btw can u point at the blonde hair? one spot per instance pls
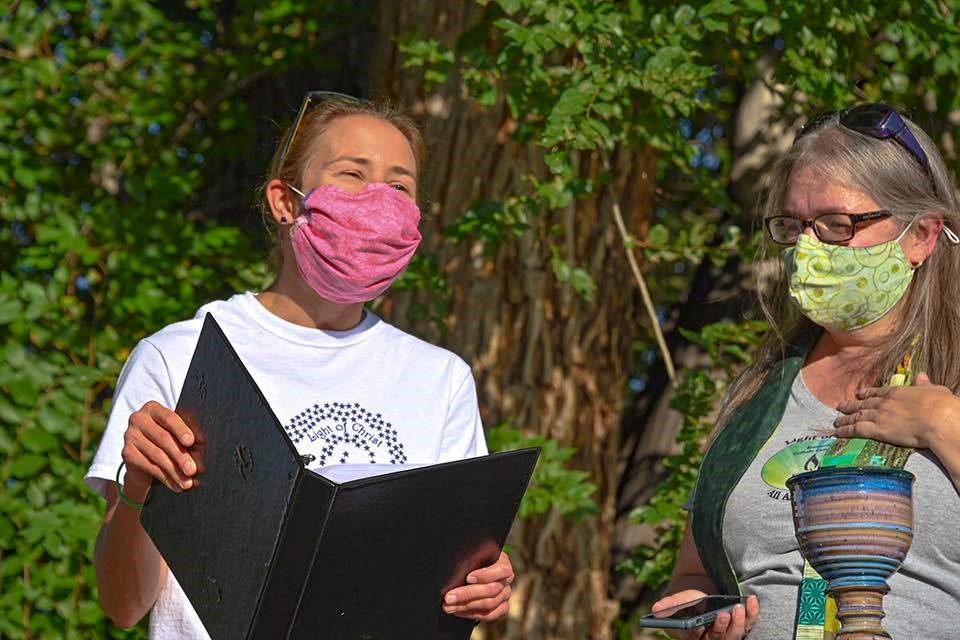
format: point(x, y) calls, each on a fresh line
point(898, 183)
point(293, 167)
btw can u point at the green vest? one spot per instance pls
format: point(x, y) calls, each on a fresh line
point(727, 459)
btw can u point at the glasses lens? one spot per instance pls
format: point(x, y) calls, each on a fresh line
point(833, 227)
point(877, 120)
point(783, 229)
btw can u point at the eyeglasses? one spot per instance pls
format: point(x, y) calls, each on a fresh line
point(316, 97)
point(832, 228)
point(877, 120)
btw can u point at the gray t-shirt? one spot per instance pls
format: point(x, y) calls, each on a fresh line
point(924, 598)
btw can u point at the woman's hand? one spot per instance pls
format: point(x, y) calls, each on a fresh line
point(154, 446)
point(920, 416)
point(727, 626)
point(486, 595)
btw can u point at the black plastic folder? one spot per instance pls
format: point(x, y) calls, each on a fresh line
point(266, 548)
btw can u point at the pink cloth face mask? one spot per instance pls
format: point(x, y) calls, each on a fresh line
point(350, 247)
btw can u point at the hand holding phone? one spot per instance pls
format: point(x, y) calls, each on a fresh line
point(702, 616)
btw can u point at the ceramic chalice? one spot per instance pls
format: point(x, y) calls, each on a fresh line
point(854, 526)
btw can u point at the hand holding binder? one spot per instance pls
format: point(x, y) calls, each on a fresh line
point(486, 594)
point(265, 548)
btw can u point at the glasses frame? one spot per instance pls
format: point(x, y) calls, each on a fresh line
point(317, 97)
point(889, 124)
point(855, 219)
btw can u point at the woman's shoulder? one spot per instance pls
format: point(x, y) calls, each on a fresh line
point(181, 337)
point(409, 345)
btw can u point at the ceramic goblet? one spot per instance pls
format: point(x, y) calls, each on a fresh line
point(854, 526)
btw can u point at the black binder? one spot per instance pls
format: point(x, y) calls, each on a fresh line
point(266, 548)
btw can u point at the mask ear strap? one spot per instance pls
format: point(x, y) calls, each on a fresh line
point(906, 228)
point(944, 229)
point(303, 202)
point(951, 236)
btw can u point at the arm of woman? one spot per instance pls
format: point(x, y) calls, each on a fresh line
point(689, 581)
point(130, 571)
point(922, 416)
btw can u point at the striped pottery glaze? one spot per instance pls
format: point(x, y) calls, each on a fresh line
point(854, 526)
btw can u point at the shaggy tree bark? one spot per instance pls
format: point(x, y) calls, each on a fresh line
point(545, 359)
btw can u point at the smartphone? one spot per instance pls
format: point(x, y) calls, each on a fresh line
point(688, 615)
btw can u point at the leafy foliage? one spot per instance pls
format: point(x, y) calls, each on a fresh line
point(553, 486)
point(606, 78)
point(729, 346)
point(599, 76)
point(110, 115)
point(430, 304)
point(114, 115)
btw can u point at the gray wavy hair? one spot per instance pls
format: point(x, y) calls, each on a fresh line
point(891, 176)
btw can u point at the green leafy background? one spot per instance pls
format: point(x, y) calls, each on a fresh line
point(117, 117)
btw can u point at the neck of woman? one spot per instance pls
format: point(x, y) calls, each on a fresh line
point(291, 299)
point(843, 361)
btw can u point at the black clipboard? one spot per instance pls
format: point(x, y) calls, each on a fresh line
point(265, 548)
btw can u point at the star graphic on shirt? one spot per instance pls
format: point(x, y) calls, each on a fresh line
point(342, 430)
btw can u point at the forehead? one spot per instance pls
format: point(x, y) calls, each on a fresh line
point(365, 136)
point(810, 192)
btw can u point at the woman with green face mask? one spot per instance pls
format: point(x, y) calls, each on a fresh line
point(861, 218)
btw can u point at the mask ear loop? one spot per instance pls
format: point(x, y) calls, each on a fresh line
point(903, 233)
point(944, 229)
point(951, 236)
point(303, 203)
point(905, 229)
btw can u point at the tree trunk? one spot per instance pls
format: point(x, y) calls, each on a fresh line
point(545, 359)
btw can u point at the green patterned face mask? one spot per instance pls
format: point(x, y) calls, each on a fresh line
point(845, 288)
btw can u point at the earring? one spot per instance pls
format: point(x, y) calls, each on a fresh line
point(283, 219)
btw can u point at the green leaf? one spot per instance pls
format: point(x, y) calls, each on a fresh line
point(23, 391)
point(718, 7)
point(553, 485)
point(558, 163)
point(38, 440)
point(27, 465)
point(10, 309)
point(887, 51)
point(767, 26)
point(7, 531)
point(583, 283)
point(944, 66)
point(684, 14)
point(658, 235)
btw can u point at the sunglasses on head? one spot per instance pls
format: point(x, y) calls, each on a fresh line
point(877, 120)
point(311, 98)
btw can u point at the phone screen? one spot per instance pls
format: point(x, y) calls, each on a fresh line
point(691, 614)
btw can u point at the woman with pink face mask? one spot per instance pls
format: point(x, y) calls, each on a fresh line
point(346, 386)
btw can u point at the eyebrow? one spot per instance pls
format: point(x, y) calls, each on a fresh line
point(396, 169)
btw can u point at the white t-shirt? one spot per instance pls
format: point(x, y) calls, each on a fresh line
point(373, 394)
